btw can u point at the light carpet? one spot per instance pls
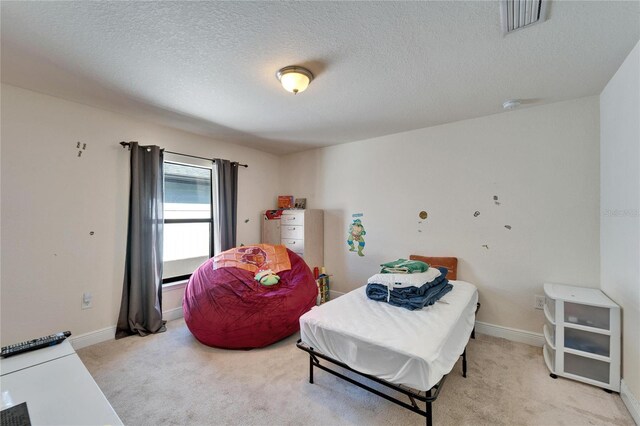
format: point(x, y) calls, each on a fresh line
point(172, 379)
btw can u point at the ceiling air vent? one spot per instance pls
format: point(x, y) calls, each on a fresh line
point(517, 14)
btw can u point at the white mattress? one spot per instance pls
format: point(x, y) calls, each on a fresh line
point(412, 348)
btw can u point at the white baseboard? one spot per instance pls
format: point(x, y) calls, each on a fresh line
point(173, 314)
point(335, 294)
point(109, 333)
point(630, 401)
point(513, 334)
point(93, 337)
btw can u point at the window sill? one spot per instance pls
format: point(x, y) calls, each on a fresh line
point(178, 285)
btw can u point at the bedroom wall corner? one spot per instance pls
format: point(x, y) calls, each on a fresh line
point(53, 200)
point(620, 210)
point(515, 196)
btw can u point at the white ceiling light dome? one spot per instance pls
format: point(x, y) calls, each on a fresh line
point(294, 79)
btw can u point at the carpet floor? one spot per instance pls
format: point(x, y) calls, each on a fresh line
point(172, 379)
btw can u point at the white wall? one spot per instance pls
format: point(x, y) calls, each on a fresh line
point(541, 162)
point(52, 199)
point(620, 204)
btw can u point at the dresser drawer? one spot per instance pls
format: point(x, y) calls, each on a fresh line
point(295, 232)
point(292, 218)
point(294, 245)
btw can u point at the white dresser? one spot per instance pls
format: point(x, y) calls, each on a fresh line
point(301, 231)
point(582, 335)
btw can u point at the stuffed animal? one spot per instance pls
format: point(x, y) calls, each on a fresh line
point(267, 277)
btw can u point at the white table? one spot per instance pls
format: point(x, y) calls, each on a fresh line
point(57, 388)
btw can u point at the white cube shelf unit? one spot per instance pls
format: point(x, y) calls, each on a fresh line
point(582, 335)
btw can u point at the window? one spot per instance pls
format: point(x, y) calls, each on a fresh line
point(188, 218)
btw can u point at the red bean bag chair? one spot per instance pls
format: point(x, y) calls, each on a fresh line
point(228, 308)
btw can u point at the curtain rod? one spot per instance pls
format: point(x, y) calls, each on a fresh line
point(128, 145)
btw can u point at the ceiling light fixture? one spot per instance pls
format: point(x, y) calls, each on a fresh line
point(511, 104)
point(294, 79)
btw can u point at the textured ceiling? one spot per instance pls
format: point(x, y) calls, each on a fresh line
point(380, 68)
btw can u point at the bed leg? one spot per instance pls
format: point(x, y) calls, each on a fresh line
point(473, 330)
point(310, 369)
point(464, 363)
point(429, 410)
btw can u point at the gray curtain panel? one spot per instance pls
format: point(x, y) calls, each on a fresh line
point(227, 203)
point(141, 306)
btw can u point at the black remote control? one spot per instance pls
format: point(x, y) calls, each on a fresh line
point(32, 345)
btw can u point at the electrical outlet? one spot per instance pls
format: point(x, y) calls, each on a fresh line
point(87, 300)
point(539, 303)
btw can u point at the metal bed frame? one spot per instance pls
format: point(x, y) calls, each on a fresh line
point(427, 397)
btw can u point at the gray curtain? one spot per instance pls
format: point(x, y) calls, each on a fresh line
point(141, 306)
point(227, 203)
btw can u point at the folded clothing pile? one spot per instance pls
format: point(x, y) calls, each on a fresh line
point(409, 290)
point(404, 266)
